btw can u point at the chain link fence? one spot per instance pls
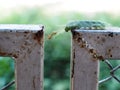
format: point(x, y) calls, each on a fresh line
point(111, 75)
point(6, 87)
point(111, 72)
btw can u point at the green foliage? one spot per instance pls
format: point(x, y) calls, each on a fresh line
point(6, 71)
point(57, 50)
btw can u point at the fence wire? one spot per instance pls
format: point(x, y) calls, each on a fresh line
point(6, 87)
point(112, 72)
point(110, 66)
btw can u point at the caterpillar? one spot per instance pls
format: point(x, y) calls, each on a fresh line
point(85, 25)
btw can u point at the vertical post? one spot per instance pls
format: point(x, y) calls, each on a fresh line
point(25, 44)
point(88, 47)
point(84, 74)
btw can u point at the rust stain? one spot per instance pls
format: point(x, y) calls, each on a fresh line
point(83, 44)
point(23, 46)
point(8, 54)
point(95, 72)
point(116, 34)
point(26, 32)
point(15, 55)
point(103, 40)
point(38, 36)
point(33, 82)
point(25, 35)
point(109, 53)
point(74, 54)
point(100, 57)
point(92, 51)
point(98, 37)
point(79, 39)
point(109, 50)
point(105, 35)
point(95, 55)
point(112, 47)
point(73, 66)
point(3, 53)
point(110, 34)
point(10, 30)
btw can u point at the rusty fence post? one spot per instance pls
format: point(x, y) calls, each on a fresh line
point(88, 47)
point(25, 44)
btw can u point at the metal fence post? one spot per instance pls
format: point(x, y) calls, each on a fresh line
point(88, 47)
point(25, 44)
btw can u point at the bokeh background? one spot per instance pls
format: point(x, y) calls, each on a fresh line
point(54, 15)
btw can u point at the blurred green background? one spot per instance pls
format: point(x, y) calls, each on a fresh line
point(57, 49)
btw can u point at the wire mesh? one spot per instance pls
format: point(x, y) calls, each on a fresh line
point(6, 87)
point(112, 72)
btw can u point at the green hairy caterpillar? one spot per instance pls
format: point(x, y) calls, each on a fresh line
point(85, 25)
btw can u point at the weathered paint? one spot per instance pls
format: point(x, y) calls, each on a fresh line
point(88, 47)
point(25, 44)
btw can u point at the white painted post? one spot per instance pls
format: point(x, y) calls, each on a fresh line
point(25, 44)
point(88, 47)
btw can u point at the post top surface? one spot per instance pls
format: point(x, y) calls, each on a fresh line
point(20, 27)
point(108, 30)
